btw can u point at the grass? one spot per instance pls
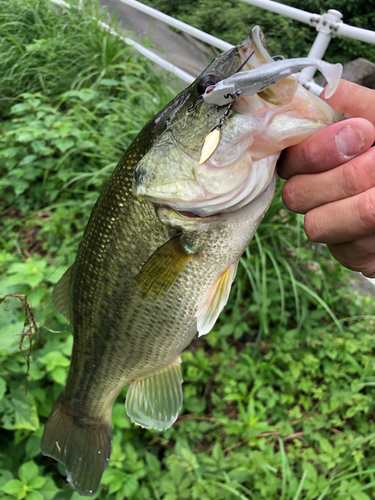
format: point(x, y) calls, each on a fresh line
point(278, 398)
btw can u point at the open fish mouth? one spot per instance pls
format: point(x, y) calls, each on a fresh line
point(240, 142)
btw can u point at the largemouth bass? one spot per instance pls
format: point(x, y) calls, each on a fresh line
point(160, 252)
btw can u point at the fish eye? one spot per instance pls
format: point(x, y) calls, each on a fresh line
point(206, 81)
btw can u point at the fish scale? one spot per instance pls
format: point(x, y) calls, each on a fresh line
point(160, 252)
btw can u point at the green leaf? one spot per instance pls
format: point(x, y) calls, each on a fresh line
point(10, 152)
point(85, 94)
point(360, 496)
point(5, 476)
point(153, 464)
point(26, 160)
point(3, 388)
point(20, 413)
point(185, 483)
point(59, 374)
point(25, 137)
point(226, 329)
point(22, 494)
point(37, 482)
point(177, 471)
point(131, 487)
point(32, 447)
point(19, 108)
point(12, 487)
point(54, 359)
point(28, 471)
point(116, 484)
point(49, 489)
point(109, 82)
point(20, 186)
point(171, 496)
point(34, 495)
point(9, 341)
point(64, 144)
point(168, 486)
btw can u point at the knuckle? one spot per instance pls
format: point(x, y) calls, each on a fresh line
point(353, 178)
point(356, 255)
point(293, 194)
point(288, 194)
point(311, 227)
point(320, 152)
point(346, 258)
point(366, 209)
point(370, 271)
point(311, 156)
point(358, 174)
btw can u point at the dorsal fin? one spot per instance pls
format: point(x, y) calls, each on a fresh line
point(162, 269)
point(60, 294)
point(154, 402)
point(215, 300)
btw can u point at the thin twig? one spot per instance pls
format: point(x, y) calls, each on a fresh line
point(335, 431)
point(30, 328)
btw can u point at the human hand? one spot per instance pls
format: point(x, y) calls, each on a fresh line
point(331, 179)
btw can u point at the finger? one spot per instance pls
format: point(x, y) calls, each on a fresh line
point(328, 148)
point(352, 100)
point(358, 255)
point(302, 193)
point(344, 220)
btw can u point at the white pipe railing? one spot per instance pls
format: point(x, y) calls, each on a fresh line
point(201, 35)
point(286, 10)
point(186, 77)
point(357, 33)
point(328, 26)
point(325, 28)
point(339, 29)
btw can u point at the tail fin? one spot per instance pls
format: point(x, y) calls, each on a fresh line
point(84, 450)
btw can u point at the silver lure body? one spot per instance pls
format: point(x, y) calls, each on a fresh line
point(253, 81)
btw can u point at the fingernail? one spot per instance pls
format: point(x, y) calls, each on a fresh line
point(349, 141)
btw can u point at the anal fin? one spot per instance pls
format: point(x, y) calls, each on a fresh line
point(155, 402)
point(60, 294)
point(215, 300)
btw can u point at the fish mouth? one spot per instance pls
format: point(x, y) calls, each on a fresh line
point(227, 181)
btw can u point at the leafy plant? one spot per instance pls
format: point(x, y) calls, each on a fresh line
point(278, 398)
point(30, 485)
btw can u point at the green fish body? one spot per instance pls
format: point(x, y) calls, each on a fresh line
point(160, 252)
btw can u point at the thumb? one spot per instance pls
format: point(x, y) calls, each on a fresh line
point(328, 148)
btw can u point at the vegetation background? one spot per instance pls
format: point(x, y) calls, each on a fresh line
point(279, 397)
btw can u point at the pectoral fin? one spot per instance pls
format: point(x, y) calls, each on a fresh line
point(60, 294)
point(162, 269)
point(155, 402)
point(214, 302)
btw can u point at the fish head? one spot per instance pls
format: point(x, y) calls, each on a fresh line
point(206, 159)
